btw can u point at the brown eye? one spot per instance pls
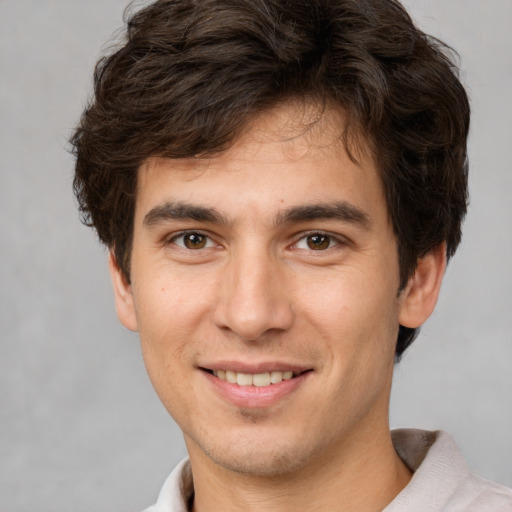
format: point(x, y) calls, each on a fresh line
point(194, 240)
point(318, 242)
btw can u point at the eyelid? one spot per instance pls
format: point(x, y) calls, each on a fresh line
point(336, 239)
point(171, 239)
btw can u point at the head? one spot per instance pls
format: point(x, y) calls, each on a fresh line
point(193, 75)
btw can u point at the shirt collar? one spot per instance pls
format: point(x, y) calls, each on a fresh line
point(433, 457)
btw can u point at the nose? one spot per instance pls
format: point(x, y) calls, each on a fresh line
point(252, 299)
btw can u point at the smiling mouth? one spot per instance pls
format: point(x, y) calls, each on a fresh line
point(254, 379)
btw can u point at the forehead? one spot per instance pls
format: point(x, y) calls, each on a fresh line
point(293, 154)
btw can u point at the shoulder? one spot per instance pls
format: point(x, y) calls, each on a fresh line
point(476, 494)
point(442, 482)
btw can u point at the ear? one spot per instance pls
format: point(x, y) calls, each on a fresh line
point(125, 306)
point(419, 297)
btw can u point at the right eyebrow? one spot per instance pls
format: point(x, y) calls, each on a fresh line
point(182, 211)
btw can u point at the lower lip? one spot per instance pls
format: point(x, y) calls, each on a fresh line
point(255, 396)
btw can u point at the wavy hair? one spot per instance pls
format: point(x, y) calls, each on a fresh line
point(192, 73)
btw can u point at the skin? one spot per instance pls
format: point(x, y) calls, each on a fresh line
point(259, 289)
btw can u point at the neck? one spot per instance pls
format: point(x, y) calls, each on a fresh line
point(363, 474)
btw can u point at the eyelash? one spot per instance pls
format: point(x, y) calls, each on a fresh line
point(173, 240)
point(332, 241)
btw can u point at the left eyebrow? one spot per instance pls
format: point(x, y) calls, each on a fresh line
point(342, 210)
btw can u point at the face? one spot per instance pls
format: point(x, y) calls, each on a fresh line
point(264, 286)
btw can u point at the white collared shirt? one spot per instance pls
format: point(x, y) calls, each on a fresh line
point(441, 481)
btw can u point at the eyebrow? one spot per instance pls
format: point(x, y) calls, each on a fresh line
point(342, 210)
point(182, 211)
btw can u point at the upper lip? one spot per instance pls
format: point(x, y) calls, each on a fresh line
point(255, 368)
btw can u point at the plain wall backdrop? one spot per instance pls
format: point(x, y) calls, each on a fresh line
point(80, 426)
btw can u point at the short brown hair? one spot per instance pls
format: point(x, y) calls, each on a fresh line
point(192, 73)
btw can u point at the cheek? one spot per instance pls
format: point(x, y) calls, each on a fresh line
point(173, 311)
point(353, 299)
point(357, 318)
point(164, 336)
point(166, 320)
point(168, 304)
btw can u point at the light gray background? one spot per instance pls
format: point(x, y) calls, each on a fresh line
point(80, 427)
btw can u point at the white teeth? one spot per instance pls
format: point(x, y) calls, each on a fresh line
point(230, 377)
point(261, 379)
point(244, 379)
point(276, 377)
point(248, 379)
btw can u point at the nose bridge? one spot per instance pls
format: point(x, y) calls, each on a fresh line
point(252, 298)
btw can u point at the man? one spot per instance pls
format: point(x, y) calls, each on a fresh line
point(280, 185)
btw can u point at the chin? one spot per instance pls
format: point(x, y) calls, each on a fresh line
point(261, 457)
point(256, 463)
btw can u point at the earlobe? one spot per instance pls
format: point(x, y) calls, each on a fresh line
point(420, 296)
point(125, 306)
